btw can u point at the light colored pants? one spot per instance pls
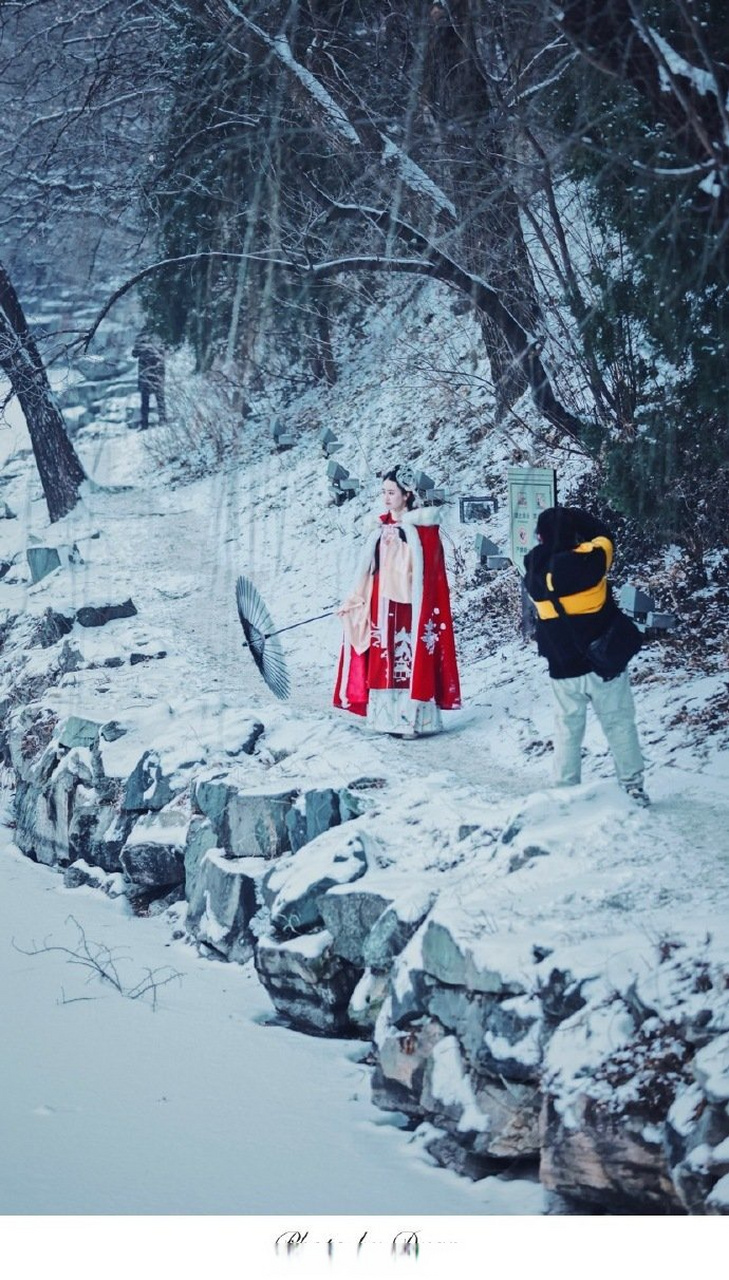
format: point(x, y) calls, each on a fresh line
point(613, 705)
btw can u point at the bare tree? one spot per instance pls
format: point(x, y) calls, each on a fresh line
point(75, 90)
point(60, 471)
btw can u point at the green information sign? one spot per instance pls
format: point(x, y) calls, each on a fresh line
point(531, 491)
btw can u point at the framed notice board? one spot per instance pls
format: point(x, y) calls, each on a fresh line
point(531, 491)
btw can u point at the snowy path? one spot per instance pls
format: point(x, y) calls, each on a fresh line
point(110, 1107)
point(199, 1107)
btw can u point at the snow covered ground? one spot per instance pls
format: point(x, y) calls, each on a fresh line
point(199, 1106)
point(186, 1100)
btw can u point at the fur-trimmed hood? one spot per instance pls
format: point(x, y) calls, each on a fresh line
point(422, 516)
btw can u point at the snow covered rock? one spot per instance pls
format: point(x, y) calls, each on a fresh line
point(500, 1038)
point(77, 731)
point(153, 856)
point(62, 811)
point(697, 1133)
point(612, 1162)
point(394, 928)
point(44, 807)
point(399, 1074)
point(50, 627)
point(149, 786)
point(608, 1087)
point(249, 821)
point(349, 915)
point(322, 811)
point(367, 1000)
point(479, 1051)
point(309, 984)
point(318, 809)
point(488, 1118)
point(200, 838)
point(102, 833)
point(449, 955)
point(81, 874)
point(97, 615)
point(223, 902)
point(294, 889)
point(27, 736)
point(43, 560)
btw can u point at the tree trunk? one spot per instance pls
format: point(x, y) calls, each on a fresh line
point(60, 471)
point(323, 362)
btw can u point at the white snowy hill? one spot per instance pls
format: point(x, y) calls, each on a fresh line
point(563, 940)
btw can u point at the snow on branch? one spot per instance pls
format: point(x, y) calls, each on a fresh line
point(280, 46)
point(433, 262)
point(154, 267)
point(704, 82)
point(416, 178)
point(408, 171)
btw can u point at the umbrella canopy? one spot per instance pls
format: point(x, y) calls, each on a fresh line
point(259, 630)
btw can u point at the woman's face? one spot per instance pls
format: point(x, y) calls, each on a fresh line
point(394, 498)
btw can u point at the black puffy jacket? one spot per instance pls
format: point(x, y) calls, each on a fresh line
point(578, 577)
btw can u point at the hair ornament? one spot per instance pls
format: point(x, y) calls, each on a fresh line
point(406, 478)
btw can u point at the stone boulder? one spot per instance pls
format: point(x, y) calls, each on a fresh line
point(153, 856)
point(500, 1038)
point(609, 1084)
point(43, 560)
point(62, 812)
point(394, 928)
point(367, 1001)
point(51, 627)
point(248, 821)
point(44, 807)
point(402, 1057)
point(149, 787)
point(294, 889)
point(310, 986)
point(697, 1132)
point(489, 1118)
point(200, 838)
point(322, 811)
point(319, 809)
point(223, 902)
point(613, 1162)
point(32, 750)
point(81, 874)
point(99, 614)
point(349, 915)
point(77, 731)
point(453, 960)
point(98, 832)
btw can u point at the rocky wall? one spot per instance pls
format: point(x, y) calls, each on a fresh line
point(514, 1051)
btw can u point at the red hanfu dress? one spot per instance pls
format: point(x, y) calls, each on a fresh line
point(398, 663)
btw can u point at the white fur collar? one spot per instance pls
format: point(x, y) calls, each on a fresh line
point(422, 515)
point(418, 516)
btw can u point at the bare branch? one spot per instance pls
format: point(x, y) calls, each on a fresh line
point(102, 964)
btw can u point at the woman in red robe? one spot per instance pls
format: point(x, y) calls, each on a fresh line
point(398, 664)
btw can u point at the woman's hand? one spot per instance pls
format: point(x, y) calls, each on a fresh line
point(353, 602)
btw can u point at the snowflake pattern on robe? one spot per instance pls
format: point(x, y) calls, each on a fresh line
point(403, 655)
point(431, 634)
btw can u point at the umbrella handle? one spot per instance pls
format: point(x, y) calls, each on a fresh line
point(293, 625)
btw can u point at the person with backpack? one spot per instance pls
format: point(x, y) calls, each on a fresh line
point(566, 577)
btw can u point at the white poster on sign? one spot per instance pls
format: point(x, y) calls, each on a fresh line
point(531, 491)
